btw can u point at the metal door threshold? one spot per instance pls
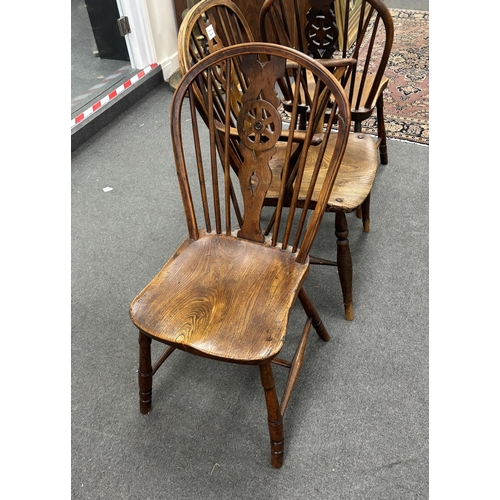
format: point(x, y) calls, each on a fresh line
point(85, 125)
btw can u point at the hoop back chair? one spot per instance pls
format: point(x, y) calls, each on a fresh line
point(326, 29)
point(208, 27)
point(228, 290)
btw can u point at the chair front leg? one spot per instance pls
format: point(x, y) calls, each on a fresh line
point(274, 417)
point(145, 373)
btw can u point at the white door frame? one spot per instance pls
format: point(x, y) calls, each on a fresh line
point(140, 41)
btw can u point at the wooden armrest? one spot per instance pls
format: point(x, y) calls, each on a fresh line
point(328, 63)
point(338, 67)
point(338, 63)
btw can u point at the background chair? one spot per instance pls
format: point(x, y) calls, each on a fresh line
point(228, 290)
point(326, 29)
point(207, 28)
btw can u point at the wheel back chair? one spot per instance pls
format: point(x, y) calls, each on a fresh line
point(329, 29)
point(228, 290)
point(213, 24)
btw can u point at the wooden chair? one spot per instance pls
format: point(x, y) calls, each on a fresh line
point(207, 27)
point(228, 290)
point(326, 29)
point(214, 24)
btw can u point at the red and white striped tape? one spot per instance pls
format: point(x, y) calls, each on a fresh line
point(99, 104)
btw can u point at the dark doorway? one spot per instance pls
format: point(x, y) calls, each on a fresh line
point(103, 15)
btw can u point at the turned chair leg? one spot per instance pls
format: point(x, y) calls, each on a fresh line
point(365, 214)
point(145, 373)
point(357, 128)
point(344, 263)
point(274, 417)
point(384, 158)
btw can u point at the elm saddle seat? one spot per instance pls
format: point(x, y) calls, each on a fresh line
point(208, 280)
point(212, 25)
point(228, 290)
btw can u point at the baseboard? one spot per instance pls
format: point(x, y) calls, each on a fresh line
point(171, 71)
point(169, 66)
point(104, 116)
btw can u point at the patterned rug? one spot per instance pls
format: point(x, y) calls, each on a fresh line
point(406, 99)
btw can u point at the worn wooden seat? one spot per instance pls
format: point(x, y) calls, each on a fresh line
point(220, 284)
point(213, 24)
point(354, 180)
point(228, 290)
point(326, 30)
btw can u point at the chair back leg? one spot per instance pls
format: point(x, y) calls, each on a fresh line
point(344, 263)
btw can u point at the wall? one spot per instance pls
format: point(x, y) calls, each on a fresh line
point(164, 30)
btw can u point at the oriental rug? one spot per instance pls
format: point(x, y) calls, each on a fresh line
point(406, 99)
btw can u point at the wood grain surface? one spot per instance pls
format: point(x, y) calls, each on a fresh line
point(222, 297)
point(354, 180)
